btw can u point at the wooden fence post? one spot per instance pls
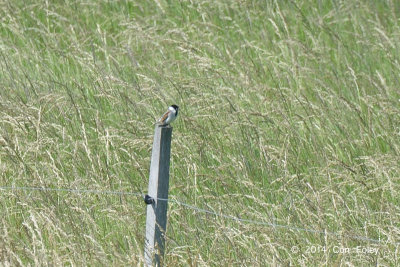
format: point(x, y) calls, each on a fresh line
point(156, 220)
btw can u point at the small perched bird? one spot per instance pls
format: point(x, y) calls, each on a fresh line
point(169, 116)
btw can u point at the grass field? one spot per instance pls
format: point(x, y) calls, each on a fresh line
point(290, 114)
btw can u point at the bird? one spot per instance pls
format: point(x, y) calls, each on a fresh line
point(169, 116)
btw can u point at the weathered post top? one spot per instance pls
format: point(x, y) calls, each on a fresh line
point(156, 220)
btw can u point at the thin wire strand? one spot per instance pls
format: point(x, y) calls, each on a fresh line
point(69, 190)
point(197, 209)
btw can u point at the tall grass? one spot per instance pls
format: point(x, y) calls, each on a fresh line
point(289, 115)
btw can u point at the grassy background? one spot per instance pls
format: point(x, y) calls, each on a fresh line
point(289, 115)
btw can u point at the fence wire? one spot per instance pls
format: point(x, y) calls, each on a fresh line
point(196, 209)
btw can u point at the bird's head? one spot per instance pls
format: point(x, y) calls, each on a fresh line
point(175, 107)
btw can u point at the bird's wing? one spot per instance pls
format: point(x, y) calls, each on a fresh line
point(164, 117)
